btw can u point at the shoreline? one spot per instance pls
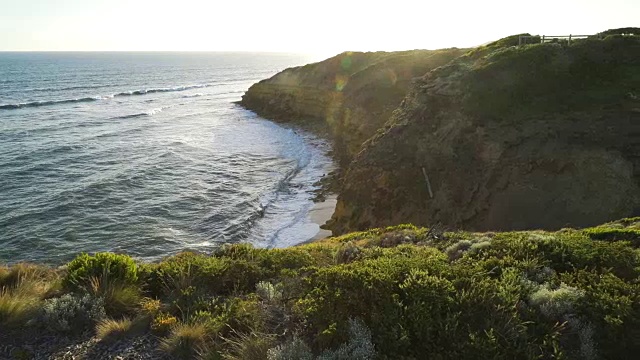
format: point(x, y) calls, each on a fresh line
point(319, 214)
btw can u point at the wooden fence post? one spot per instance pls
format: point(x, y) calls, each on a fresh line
point(426, 178)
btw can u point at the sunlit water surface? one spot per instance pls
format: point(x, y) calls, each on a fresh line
point(146, 153)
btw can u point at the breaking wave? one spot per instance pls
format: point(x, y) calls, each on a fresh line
point(96, 98)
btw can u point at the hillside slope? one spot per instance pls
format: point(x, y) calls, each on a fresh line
point(537, 136)
point(352, 93)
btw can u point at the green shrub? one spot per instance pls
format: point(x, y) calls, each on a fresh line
point(359, 346)
point(347, 253)
point(162, 323)
point(205, 274)
point(269, 292)
point(613, 234)
point(82, 269)
point(556, 303)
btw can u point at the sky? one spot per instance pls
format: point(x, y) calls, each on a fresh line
point(312, 26)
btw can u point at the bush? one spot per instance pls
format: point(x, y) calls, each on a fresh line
point(150, 306)
point(556, 303)
point(269, 292)
point(84, 268)
point(71, 313)
point(359, 346)
point(612, 234)
point(347, 253)
point(207, 275)
point(162, 323)
point(295, 349)
point(456, 250)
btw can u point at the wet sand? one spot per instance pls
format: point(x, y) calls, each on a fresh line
point(320, 214)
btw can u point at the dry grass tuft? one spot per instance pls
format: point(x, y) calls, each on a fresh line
point(119, 298)
point(185, 339)
point(110, 329)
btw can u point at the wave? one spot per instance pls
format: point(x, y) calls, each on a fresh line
point(95, 98)
point(146, 113)
point(76, 87)
point(161, 90)
point(47, 103)
point(130, 116)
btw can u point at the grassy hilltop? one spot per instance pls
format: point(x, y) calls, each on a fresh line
point(396, 293)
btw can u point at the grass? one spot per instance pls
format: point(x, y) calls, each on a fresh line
point(111, 329)
point(16, 307)
point(184, 340)
point(120, 298)
point(250, 346)
point(22, 289)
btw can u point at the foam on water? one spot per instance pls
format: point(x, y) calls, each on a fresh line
point(171, 166)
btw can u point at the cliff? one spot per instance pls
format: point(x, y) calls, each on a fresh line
point(510, 137)
point(538, 136)
point(352, 93)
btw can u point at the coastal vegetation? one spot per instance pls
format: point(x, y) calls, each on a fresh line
point(401, 292)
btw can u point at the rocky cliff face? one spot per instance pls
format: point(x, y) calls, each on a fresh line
point(509, 137)
point(540, 136)
point(353, 94)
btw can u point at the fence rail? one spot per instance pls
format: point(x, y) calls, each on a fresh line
point(528, 39)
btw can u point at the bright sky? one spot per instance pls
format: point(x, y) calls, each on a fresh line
point(321, 27)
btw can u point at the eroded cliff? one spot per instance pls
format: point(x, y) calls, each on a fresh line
point(538, 136)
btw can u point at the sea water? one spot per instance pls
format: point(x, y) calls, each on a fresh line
point(147, 154)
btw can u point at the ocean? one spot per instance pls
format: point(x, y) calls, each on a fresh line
point(147, 154)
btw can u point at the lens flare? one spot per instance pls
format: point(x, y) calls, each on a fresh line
point(341, 82)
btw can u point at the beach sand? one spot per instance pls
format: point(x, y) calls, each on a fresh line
point(320, 214)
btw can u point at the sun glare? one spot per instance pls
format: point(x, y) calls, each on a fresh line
point(322, 28)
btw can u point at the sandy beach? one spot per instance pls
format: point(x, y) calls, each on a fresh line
point(320, 214)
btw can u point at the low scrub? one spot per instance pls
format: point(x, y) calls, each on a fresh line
point(393, 293)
